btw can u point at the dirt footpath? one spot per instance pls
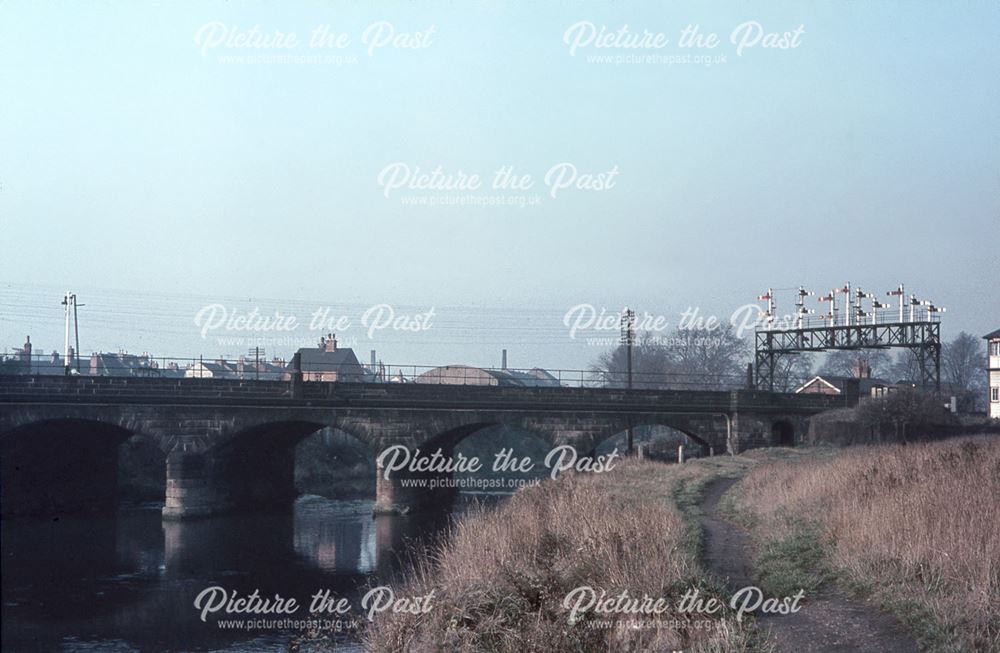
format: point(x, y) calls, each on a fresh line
point(827, 623)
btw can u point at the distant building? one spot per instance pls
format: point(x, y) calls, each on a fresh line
point(466, 375)
point(243, 368)
point(860, 384)
point(993, 372)
point(125, 364)
point(327, 362)
point(217, 369)
point(826, 384)
point(26, 361)
point(24, 353)
point(272, 370)
point(51, 365)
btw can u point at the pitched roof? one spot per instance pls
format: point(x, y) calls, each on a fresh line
point(837, 382)
point(213, 366)
point(468, 375)
point(832, 386)
point(318, 360)
point(531, 378)
point(992, 334)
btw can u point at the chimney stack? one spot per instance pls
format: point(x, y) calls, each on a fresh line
point(503, 361)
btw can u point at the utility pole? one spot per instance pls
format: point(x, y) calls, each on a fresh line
point(76, 330)
point(66, 303)
point(69, 300)
point(628, 338)
point(256, 352)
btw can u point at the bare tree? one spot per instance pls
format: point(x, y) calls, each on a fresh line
point(686, 358)
point(717, 352)
point(841, 363)
point(792, 370)
point(650, 364)
point(906, 367)
point(963, 367)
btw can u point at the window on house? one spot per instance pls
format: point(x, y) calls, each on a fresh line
point(995, 348)
point(995, 394)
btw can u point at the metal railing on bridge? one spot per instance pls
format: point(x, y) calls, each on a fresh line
point(244, 369)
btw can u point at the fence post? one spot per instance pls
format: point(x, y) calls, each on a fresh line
point(680, 455)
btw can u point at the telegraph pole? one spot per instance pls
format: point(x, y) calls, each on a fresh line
point(628, 338)
point(66, 303)
point(76, 330)
point(69, 300)
point(257, 353)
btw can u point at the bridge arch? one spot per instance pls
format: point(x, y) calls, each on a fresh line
point(451, 437)
point(482, 439)
point(334, 463)
point(782, 433)
point(256, 465)
point(60, 465)
point(645, 433)
point(708, 432)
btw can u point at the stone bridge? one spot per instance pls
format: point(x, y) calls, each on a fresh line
point(229, 444)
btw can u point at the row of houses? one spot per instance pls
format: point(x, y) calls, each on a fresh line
point(26, 361)
point(125, 364)
point(324, 362)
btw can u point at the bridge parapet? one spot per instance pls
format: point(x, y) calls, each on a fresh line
point(25, 388)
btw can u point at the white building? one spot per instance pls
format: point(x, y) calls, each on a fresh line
point(993, 369)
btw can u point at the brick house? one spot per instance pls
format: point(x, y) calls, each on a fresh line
point(327, 362)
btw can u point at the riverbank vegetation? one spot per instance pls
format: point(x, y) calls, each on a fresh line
point(915, 528)
point(500, 581)
point(911, 528)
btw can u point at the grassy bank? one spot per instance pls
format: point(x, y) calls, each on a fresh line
point(501, 579)
point(915, 527)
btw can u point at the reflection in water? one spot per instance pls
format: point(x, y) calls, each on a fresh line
point(335, 545)
point(128, 582)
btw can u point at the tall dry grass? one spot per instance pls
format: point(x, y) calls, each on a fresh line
point(918, 525)
point(501, 578)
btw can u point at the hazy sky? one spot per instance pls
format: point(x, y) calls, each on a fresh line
point(140, 154)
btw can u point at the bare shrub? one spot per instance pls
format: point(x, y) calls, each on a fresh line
point(918, 525)
point(501, 578)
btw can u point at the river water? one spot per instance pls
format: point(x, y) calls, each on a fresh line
point(128, 582)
